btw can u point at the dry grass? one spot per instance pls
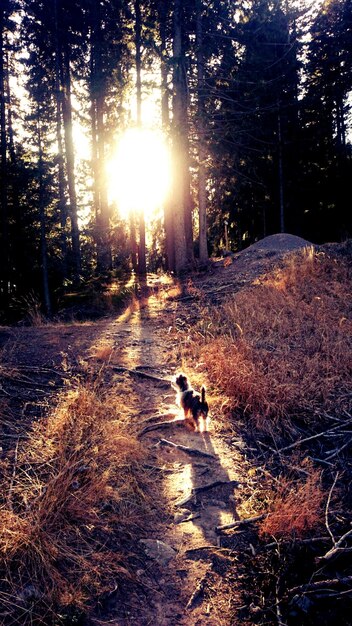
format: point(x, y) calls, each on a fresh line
point(283, 347)
point(71, 501)
point(103, 351)
point(296, 508)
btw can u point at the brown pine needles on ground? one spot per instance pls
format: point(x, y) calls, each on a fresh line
point(71, 503)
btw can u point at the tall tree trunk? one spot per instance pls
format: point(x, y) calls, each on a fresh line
point(60, 148)
point(70, 165)
point(142, 268)
point(4, 254)
point(43, 244)
point(202, 194)
point(104, 258)
point(281, 172)
point(179, 131)
point(13, 191)
point(163, 9)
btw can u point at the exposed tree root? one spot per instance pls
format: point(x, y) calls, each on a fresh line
point(185, 449)
point(160, 425)
point(161, 381)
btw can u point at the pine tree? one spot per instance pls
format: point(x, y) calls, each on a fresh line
point(326, 161)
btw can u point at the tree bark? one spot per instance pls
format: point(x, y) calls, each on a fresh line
point(180, 152)
point(4, 269)
point(202, 194)
point(142, 268)
point(60, 148)
point(163, 9)
point(43, 244)
point(70, 165)
point(104, 258)
point(281, 173)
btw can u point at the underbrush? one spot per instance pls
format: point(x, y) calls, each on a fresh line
point(282, 348)
point(72, 504)
point(280, 353)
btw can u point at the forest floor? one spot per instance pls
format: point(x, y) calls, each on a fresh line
point(185, 569)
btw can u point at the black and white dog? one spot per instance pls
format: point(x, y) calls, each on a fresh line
point(194, 405)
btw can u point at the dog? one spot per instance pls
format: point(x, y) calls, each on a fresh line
point(194, 405)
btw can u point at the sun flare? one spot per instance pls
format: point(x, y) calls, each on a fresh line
point(139, 172)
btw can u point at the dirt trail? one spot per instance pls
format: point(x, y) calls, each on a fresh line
point(185, 568)
point(188, 568)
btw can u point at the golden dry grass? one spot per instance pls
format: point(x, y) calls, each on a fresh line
point(296, 507)
point(283, 347)
point(72, 498)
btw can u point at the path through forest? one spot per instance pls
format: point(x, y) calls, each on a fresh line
point(187, 571)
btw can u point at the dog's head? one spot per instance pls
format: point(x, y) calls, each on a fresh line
point(182, 382)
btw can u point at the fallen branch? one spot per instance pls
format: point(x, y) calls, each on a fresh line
point(185, 449)
point(240, 522)
point(336, 549)
point(324, 432)
point(213, 548)
point(320, 584)
point(164, 381)
point(273, 544)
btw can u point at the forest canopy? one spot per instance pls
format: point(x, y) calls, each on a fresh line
point(150, 134)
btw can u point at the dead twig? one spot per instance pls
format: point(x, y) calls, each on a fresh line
point(316, 436)
point(336, 452)
point(320, 584)
point(328, 506)
point(336, 549)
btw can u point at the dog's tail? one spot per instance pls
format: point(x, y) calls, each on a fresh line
point(203, 390)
